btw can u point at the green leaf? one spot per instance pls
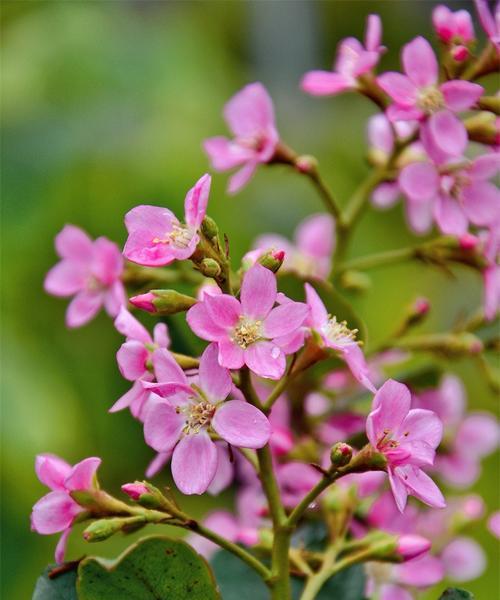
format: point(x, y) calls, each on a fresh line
point(238, 582)
point(58, 587)
point(456, 594)
point(156, 568)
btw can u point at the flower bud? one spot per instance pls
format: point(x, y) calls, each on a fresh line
point(105, 528)
point(163, 302)
point(135, 490)
point(210, 267)
point(340, 454)
point(209, 228)
point(146, 495)
point(272, 260)
point(468, 241)
point(482, 128)
point(306, 163)
point(460, 53)
point(411, 546)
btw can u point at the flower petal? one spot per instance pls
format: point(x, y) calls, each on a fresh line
point(398, 489)
point(241, 424)
point(242, 176)
point(83, 308)
point(421, 424)
point(315, 235)
point(130, 327)
point(463, 559)
point(53, 513)
point(82, 476)
point(421, 572)
point(265, 359)
point(284, 319)
point(231, 356)
point(202, 324)
point(162, 426)
point(420, 63)
point(194, 463)
point(461, 95)
point(65, 279)
point(225, 154)
point(131, 358)
point(250, 111)
point(326, 83)
point(421, 486)
point(419, 181)
point(399, 88)
point(215, 380)
point(258, 292)
point(390, 407)
point(478, 435)
point(355, 359)
point(448, 133)
point(73, 243)
point(195, 204)
point(52, 470)
point(481, 202)
point(166, 367)
point(449, 216)
point(60, 550)
point(223, 309)
point(319, 314)
point(225, 470)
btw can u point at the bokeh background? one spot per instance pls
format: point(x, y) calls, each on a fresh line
point(104, 106)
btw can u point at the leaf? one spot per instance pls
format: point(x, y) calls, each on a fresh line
point(60, 587)
point(237, 581)
point(156, 568)
point(456, 594)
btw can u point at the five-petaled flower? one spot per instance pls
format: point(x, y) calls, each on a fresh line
point(156, 237)
point(90, 270)
point(248, 331)
point(57, 510)
point(250, 116)
point(408, 439)
point(182, 421)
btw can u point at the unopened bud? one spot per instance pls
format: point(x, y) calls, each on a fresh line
point(209, 228)
point(460, 53)
point(163, 302)
point(105, 528)
point(482, 128)
point(306, 163)
point(135, 490)
point(340, 454)
point(210, 267)
point(491, 103)
point(468, 241)
point(147, 495)
point(411, 546)
point(272, 260)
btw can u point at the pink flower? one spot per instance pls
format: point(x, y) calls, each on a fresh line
point(295, 479)
point(90, 271)
point(452, 199)
point(156, 237)
point(135, 360)
point(57, 510)
point(353, 60)
point(410, 546)
point(491, 274)
point(337, 336)
point(494, 524)
point(248, 331)
point(311, 253)
point(455, 29)
point(250, 116)
point(417, 96)
point(408, 439)
point(182, 422)
point(463, 559)
point(490, 22)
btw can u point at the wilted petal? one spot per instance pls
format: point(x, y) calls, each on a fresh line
point(215, 380)
point(162, 426)
point(194, 463)
point(265, 359)
point(420, 63)
point(242, 425)
point(258, 292)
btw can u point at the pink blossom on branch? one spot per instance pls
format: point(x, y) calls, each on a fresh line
point(353, 60)
point(455, 29)
point(417, 96)
point(155, 235)
point(57, 510)
point(408, 439)
point(248, 331)
point(250, 117)
point(490, 21)
point(181, 421)
point(89, 270)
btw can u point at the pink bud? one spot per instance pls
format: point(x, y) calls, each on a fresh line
point(473, 507)
point(468, 241)
point(144, 302)
point(460, 53)
point(135, 490)
point(422, 306)
point(411, 546)
point(279, 255)
point(248, 536)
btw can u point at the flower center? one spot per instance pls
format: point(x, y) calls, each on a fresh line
point(338, 332)
point(197, 416)
point(247, 332)
point(179, 237)
point(430, 100)
point(252, 142)
point(93, 284)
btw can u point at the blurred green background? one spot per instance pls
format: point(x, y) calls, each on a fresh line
point(104, 106)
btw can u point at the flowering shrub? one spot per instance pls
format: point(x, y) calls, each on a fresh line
point(286, 403)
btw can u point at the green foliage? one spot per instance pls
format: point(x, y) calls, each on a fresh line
point(58, 587)
point(156, 567)
point(456, 594)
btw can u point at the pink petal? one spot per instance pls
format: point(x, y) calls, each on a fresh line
point(115, 299)
point(266, 360)
point(422, 487)
point(326, 83)
point(457, 470)
point(449, 216)
point(61, 546)
point(355, 359)
point(386, 195)
point(162, 426)
point(223, 309)
point(250, 111)
point(419, 181)
point(399, 88)
point(194, 463)
point(398, 488)
point(380, 134)
point(443, 22)
point(53, 513)
point(421, 572)
point(202, 324)
point(231, 356)
point(419, 62)
point(421, 424)
point(157, 464)
point(131, 358)
point(145, 223)
point(73, 243)
point(52, 470)
point(448, 133)
point(225, 154)
point(83, 474)
point(485, 166)
point(241, 177)
point(160, 335)
point(316, 236)
point(319, 314)
point(83, 308)
point(130, 327)
point(225, 471)
point(390, 407)
point(195, 205)
point(419, 215)
point(397, 113)
point(168, 390)
point(241, 424)
point(107, 264)
point(284, 319)
point(481, 202)
point(461, 95)
point(491, 299)
point(135, 395)
point(215, 380)
point(463, 559)
point(154, 220)
point(478, 435)
point(166, 367)
point(389, 591)
point(373, 36)
point(65, 279)
point(258, 292)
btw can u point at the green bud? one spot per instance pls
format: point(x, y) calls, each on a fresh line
point(367, 459)
point(340, 454)
point(272, 260)
point(169, 302)
point(105, 528)
point(210, 267)
point(482, 128)
point(209, 228)
point(306, 163)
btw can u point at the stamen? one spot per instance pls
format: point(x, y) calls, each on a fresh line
point(197, 416)
point(180, 237)
point(247, 332)
point(339, 332)
point(430, 100)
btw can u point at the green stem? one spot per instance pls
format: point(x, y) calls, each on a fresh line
point(379, 259)
point(309, 498)
point(326, 194)
point(318, 579)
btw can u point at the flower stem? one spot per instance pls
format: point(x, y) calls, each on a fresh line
point(379, 259)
